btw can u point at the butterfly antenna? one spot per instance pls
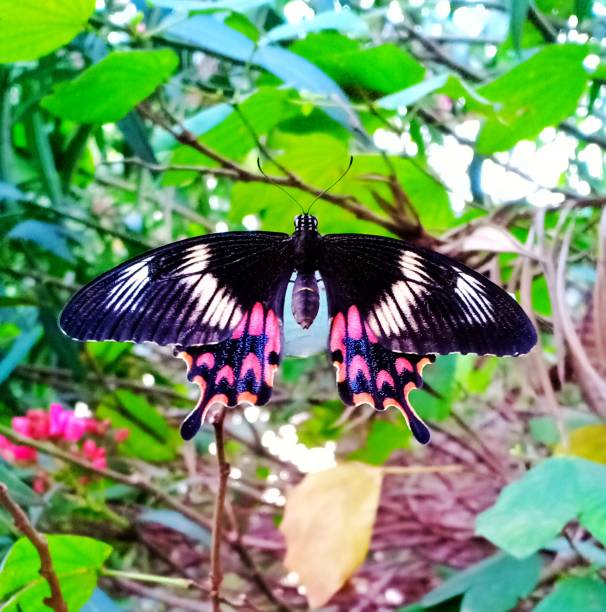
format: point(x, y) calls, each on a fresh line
point(332, 184)
point(271, 180)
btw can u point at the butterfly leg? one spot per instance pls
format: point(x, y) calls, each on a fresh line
point(367, 373)
point(238, 370)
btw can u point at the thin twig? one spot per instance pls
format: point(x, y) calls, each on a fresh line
point(216, 573)
point(47, 571)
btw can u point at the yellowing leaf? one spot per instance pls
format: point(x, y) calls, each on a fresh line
point(327, 525)
point(30, 29)
point(588, 442)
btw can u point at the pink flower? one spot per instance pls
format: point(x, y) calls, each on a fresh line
point(95, 454)
point(13, 452)
point(65, 424)
point(120, 435)
point(21, 425)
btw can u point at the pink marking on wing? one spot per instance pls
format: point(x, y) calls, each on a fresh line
point(227, 373)
point(384, 377)
point(403, 364)
point(370, 334)
point(337, 333)
point(272, 331)
point(206, 359)
point(257, 319)
point(358, 365)
point(251, 362)
point(354, 323)
point(240, 328)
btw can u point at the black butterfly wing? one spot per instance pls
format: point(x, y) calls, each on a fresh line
point(417, 301)
point(190, 292)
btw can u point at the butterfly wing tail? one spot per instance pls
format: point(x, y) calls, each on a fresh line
point(367, 373)
point(238, 370)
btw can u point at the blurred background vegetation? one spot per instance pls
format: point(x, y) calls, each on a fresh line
point(477, 129)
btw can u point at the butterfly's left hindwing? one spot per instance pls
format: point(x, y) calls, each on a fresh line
point(238, 370)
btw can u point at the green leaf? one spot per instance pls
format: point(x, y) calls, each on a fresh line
point(108, 90)
point(342, 21)
point(440, 377)
point(575, 595)
point(384, 437)
point(150, 436)
point(49, 236)
point(231, 137)
point(525, 96)
point(532, 511)
point(177, 522)
point(519, 12)
point(494, 584)
point(76, 561)
point(30, 29)
point(18, 351)
point(375, 70)
point(19, 491)
point(582, 8)
point(447, 84)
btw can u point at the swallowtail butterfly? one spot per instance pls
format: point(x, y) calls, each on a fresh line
point(220, 300)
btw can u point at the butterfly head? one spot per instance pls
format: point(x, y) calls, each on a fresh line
point(306, 223)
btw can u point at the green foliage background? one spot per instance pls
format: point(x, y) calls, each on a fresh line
point(131, 125)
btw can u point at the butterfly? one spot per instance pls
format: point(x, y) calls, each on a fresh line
point(219, 299)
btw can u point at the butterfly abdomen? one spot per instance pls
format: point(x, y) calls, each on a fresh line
point(305, 299)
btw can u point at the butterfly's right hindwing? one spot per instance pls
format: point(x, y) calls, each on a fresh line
point(190, 292)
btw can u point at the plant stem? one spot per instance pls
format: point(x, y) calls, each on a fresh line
point(216, 573)
point(47, 571)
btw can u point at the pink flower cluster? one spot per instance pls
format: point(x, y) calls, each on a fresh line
point(58, 424)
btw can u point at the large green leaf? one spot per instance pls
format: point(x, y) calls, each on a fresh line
point(494, 584)
point(384, 437)
point(150, 436)
point(532, 511)
point(108, 90)
point(30, 29)
point(19, 491)
point(575, 595)
point(440, 378)
point(18, 351)
point(76, 561)
point(382, 69)
point(342, 21)
point(519, 12)
point(49, 236)
point(540, 92)
point(232, 137)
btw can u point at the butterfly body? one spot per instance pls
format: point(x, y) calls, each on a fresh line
point(220, 300)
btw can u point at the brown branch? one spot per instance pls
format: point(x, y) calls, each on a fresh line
point(216, 572)
point(47, 571)
point(227, 168)
point(140, 482)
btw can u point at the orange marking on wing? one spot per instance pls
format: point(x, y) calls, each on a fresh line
point(220, 398)
point(246, 397)
point(187, 358)
point(407, 389)
point(363, 398)
point(201, 382)
point(340, 367)
point(270, 372)
point(422, 363)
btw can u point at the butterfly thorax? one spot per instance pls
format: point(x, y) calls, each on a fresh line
point(306, 294)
